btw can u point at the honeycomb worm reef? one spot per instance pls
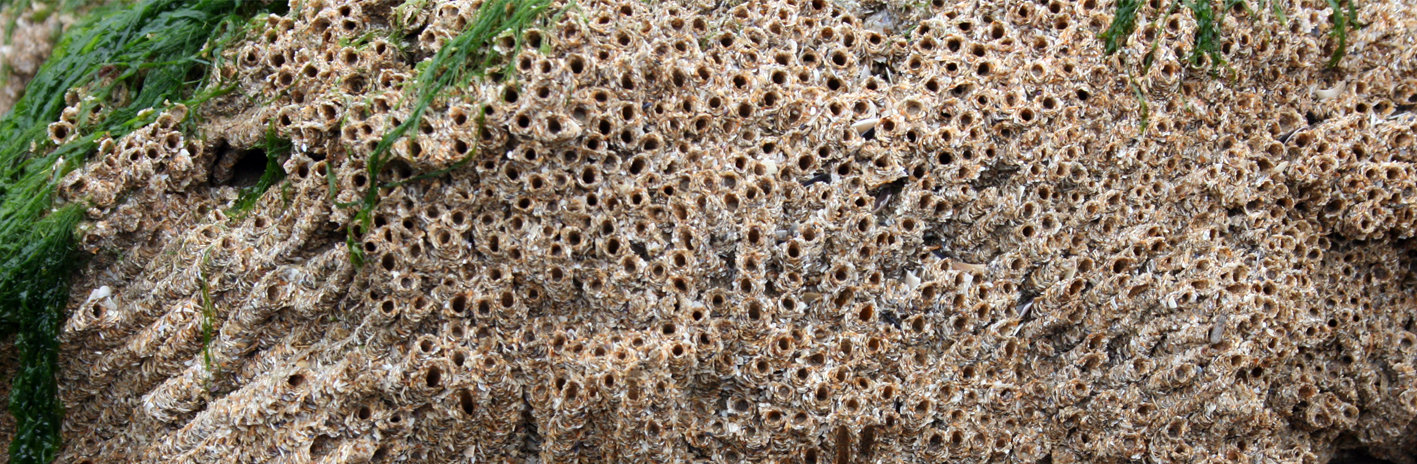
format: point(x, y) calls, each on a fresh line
point(796, 231)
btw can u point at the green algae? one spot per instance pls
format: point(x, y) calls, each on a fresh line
point(1205, 46)
point(1122, 26)
point(275, 149)
point(133, 59)
point(1343, 21)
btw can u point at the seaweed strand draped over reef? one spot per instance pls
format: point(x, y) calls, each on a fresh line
point(777, 231)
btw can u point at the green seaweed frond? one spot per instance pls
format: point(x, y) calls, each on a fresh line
point(1123, 24)
point(1343, 21)
point(1141, 99)
point(208, 323)
point(1207, 40)
point(1279, 13)
point(34, 286)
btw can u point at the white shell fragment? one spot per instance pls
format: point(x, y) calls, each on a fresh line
point(865, 125)
point(1217, 331)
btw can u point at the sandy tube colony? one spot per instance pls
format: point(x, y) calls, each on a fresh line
point(796, 231)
